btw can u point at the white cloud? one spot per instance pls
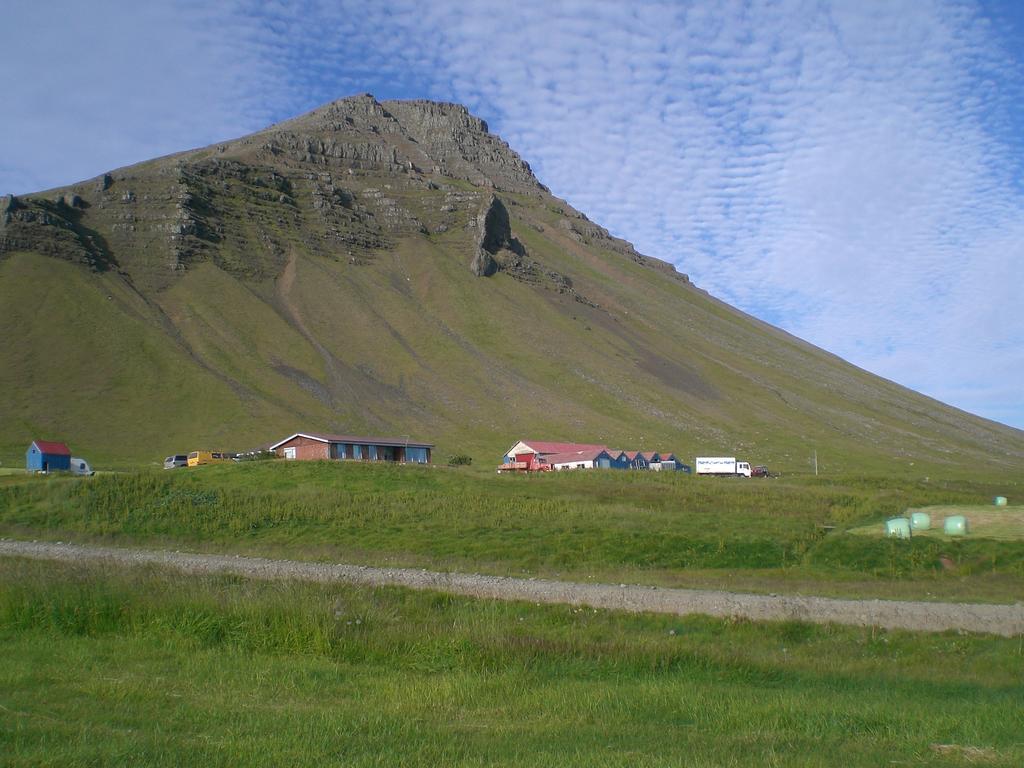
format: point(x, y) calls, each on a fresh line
point(848, 171)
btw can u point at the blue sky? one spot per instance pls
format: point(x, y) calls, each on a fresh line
point(850, 171)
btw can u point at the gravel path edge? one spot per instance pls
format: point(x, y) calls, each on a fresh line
point(1006, 620)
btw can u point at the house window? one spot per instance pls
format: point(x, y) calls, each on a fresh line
point(371, 452)
point(357, 451)
point(416, 455)
point(289, 453)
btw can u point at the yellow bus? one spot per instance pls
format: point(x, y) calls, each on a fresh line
point(198, 458)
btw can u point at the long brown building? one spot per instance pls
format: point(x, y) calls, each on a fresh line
point(314, 446)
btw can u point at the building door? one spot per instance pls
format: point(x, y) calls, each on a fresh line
point(289, 453)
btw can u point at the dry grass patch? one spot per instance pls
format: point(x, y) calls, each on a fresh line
point(983, 520)
point(970, 755)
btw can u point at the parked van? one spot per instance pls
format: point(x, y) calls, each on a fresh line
point(175, 461)
point(198, 458)
point(81, 467)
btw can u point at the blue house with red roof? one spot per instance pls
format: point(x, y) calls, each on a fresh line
point(47, 456)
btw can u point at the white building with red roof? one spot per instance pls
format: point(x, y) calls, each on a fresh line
point(588, 458)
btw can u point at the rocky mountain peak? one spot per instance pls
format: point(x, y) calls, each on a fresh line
point(440, 116)
point(360, 112)
point(463, 147)
point(439, 137)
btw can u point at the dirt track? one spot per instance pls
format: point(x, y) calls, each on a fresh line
point(1007, 620)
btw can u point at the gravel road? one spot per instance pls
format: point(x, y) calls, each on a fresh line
point(1007, 620)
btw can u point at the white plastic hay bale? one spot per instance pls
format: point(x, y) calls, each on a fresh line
point(897, 528)
point(955, 525)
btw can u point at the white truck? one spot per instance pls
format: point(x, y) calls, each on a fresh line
point(722, 465)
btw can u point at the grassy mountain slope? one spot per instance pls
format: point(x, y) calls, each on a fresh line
point(395, 268)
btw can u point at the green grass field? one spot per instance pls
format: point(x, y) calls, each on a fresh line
point(666, 529)
point(147, 668)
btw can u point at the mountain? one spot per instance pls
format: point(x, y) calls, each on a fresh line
point(393, 267)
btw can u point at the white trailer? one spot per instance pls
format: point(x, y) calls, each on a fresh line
point(722, 465)
point(81, 467)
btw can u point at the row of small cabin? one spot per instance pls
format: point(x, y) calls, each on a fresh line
point(541, 456)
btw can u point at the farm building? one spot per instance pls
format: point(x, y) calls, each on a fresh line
point(669, 462)
point(531, 455)
point(522, 450)
point(620, 460)
point(590, 458)
point(651, 457)
point(312, 446)
point(47, 456)
point(635, 460)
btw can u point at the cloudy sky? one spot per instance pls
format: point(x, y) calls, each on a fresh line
point(850, 171)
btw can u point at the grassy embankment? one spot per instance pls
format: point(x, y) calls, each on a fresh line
point(146, 668)
point(777, 535)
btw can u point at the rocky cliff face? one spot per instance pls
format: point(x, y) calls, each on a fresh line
point(345, 181)
point(53, 226)
point(463, 148)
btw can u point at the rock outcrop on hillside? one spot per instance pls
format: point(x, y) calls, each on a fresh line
point(494, 237)
point(54, 227)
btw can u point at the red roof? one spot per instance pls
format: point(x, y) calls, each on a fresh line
point(546, 448)
point(584, 455)
point(52, 447)
point(649, 455)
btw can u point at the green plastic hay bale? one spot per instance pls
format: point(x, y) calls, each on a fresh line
point(920, 521)
point(898, 527)
point(955, 525)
